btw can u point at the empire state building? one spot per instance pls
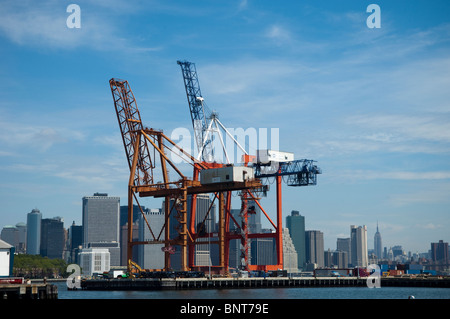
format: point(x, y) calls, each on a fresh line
point(378, 249)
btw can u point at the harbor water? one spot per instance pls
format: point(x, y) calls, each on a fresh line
point(262, 293)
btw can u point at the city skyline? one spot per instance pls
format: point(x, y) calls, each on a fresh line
point(371, 246)
point(370, 105)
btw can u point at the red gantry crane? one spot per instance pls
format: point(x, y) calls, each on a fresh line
point(148, 152)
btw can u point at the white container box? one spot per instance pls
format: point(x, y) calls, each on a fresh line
point(266, 156)
point(226, 174)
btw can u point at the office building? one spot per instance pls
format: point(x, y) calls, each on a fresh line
point(314, 248)
point(53, 237)
point(377, 245)
point(296, 226)
point(10, 234)
point(340, 259)
point(94, 261)
point(205, 221)
point(113, 249)
point(359, 253)
point(290, 258)
point(22, 245)
point(15, 236)
point(100, 218)
point(124, 243)
point(344, 245)
point(262, 251)
point(74, 242)
point(34, 232)
point(439, 252)
point(151, 256)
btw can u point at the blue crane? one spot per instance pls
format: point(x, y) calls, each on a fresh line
point(198, 111)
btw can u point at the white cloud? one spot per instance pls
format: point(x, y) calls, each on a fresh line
point(43, 25)
point(423, 127)
point(278, 33)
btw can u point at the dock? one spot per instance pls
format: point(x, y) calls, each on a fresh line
point(242, 283)
point(28, 291)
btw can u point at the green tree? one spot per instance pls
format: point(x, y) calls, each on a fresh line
point(36, 266)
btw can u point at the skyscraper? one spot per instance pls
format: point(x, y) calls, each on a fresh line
point(296, 225)
point(378, 248)
point(75, 240)
point(344, 245)
point(52, 237)
point(100, 218)
point(359, 253)
point(34, 232)
point(101, 225)
point(439, 252)
point(314, 247)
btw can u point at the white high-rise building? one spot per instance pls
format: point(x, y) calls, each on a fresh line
point(359, 253)
point(290, 259)
point(94, 260)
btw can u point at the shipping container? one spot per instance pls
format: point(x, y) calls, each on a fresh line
point(226, 174)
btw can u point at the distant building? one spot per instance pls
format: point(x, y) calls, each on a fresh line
point(94, 260)
point(22, 247)
point(377, 245)
point(439, 252)
point(10, 234)
point(340, 259)
point(53, 237)
point(124, 243)
point(100, 218)
point(123, 232)
point(74, 242)
point(296, 226)
point(344, 245)
point(151, 256)
point(34, 232)
point(203, 253)
point(290, 258)
point(314, 247)
point(263, 251)
point(113, 248)
point(359, 253)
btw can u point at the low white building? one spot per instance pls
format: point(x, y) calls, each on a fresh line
point(94, 260)
point(6, 259)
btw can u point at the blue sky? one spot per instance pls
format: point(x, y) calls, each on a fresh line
point(370, 105)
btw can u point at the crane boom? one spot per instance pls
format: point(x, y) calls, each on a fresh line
point(130, 123)
point(197, 109)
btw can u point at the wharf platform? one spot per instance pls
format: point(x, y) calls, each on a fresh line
point(239, 283)
point(28, 291)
